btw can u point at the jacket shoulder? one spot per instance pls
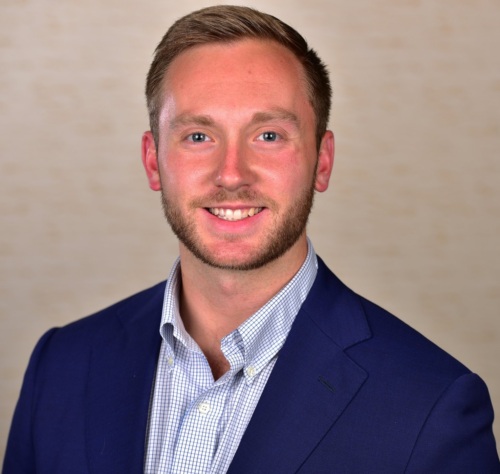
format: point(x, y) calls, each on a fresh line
point(66, 348)
point(374, 336)
point(398, 343)
point(129, 310)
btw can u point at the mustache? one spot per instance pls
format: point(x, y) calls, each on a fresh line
point(240, 196)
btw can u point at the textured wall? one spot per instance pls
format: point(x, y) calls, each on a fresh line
point(412, 218)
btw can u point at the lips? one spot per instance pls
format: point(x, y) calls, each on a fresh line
point(234, 214)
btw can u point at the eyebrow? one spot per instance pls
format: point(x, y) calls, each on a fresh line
point(190, 119)
point(276, 114)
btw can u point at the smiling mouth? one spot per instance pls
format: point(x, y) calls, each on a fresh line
point(234, 214)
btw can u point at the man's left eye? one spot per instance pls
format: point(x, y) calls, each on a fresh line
point(268, 136)
point(197, 137)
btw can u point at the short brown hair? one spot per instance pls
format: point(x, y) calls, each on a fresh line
point(225, 23)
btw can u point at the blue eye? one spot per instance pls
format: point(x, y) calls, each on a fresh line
point(268, 136)
point(197, 137)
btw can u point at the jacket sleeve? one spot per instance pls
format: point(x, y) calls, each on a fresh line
point(20, 455)
point(457, 436)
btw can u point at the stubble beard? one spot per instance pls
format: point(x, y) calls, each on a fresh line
point(277, 241)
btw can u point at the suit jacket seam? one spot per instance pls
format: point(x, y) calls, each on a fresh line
point(430, 413)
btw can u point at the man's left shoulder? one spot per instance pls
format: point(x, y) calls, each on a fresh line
point(385, 344)
point(411, 348)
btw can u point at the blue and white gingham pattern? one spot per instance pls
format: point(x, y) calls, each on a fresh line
point(196, 423)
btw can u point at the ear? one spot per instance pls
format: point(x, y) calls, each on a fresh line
point(150, 161)
point(325, 162)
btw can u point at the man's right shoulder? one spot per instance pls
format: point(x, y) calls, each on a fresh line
point(136, 312)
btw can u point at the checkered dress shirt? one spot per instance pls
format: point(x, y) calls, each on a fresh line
point(196, 423)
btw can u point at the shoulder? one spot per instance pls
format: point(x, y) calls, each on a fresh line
point(377, 338)
point(426, 400)
point(125, 311)
point(139, 312)
point(400, 346)
point(403, 367)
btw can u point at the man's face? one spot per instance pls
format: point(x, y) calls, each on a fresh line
point(237, 162)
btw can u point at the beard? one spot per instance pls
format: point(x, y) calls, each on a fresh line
point(284, 233)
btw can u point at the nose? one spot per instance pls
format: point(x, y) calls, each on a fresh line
point(233, 171)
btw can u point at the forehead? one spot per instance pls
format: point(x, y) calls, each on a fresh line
point(251, 51)
point(243, 67)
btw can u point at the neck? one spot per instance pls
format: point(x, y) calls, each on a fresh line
point(214, 301)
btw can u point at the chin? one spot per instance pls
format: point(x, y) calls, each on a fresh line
point(242, 258)
point(227, 262)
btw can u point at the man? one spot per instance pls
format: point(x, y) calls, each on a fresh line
point(252, 357)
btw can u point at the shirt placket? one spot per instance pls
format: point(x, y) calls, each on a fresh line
point(201, 424)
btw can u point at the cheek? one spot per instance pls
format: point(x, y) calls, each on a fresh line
point(292, 174)
point(179, 167)
point(169, 178)
point(181, 183)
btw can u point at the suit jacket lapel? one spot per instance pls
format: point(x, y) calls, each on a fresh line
point(312, 382)
point(121, 375)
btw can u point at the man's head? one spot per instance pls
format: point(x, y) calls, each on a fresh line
point(235, 146)
point(227, 24)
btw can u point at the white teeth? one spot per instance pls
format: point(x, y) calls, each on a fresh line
point(234, 215)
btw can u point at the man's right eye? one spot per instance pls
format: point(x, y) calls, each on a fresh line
point(197, 137)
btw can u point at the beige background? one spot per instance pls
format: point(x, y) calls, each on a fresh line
point(412, 217)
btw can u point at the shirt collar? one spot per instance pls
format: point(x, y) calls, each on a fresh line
point(261, 336)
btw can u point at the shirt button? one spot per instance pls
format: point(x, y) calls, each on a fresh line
point(250, 371)
point(204, 408)
point(170, 361)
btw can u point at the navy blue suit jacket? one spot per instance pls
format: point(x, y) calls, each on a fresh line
point(354, 390)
